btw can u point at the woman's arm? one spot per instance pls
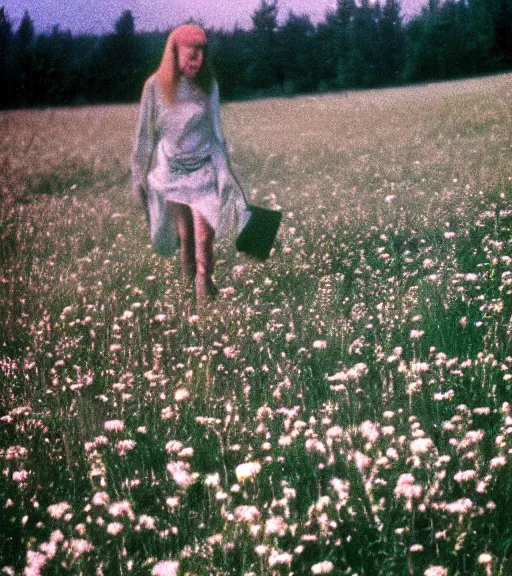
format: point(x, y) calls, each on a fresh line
point(225, 172)
point(144, 142)
point(215, 111)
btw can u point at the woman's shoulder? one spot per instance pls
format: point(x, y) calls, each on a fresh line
point(149, 89)
point(150, 82)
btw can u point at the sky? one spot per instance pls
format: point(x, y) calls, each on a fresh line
point(99, 16)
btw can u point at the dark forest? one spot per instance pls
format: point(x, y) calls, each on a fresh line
point(359, 45)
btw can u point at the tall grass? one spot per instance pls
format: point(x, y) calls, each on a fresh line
point(342, 408)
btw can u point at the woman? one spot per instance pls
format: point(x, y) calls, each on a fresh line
point(180, 165)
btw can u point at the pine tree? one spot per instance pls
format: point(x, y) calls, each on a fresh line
point(25, 34)
point(297, 53)
point(55, 73)
point(23, 61)
point(125, 25)
point(392, 42)
point(117, 69)
point(264, 70)
point(362, 67)
point(344, 47)
point(503, 32)
point(6, 48)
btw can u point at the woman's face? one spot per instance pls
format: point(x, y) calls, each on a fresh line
point(190, 59)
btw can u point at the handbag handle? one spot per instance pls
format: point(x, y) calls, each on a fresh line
point(236, 181)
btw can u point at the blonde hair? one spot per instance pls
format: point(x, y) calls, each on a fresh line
point(168, 73)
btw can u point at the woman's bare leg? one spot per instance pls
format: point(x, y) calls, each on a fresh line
point(204, 236)
point(181, 215)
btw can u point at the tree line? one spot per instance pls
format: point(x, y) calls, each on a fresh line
point(358, 45)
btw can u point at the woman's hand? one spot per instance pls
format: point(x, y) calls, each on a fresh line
point(139, 194)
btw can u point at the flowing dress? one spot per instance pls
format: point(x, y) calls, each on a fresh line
point(180, 156)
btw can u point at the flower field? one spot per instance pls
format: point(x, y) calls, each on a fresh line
point(344, 408)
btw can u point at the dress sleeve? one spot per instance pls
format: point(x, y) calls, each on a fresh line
point(215, 111)
point(233, 198)
point(145, 137)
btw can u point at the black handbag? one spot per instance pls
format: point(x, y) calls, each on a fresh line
point(259, 230)
point(257, 236)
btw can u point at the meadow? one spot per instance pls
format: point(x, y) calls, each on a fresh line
point(343, 408)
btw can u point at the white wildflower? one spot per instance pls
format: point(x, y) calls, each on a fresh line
point(166, 568)
point(247, 470)
point(324, 567)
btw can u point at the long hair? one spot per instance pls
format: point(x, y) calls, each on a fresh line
point(168, 73)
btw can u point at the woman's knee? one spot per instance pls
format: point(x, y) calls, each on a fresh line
point(203, 232)
point(181, 216)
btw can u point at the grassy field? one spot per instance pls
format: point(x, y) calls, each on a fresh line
point(341, 409)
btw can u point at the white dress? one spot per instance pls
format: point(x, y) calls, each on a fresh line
point(180, 156)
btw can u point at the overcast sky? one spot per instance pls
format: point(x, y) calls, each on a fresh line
point(97, 16)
